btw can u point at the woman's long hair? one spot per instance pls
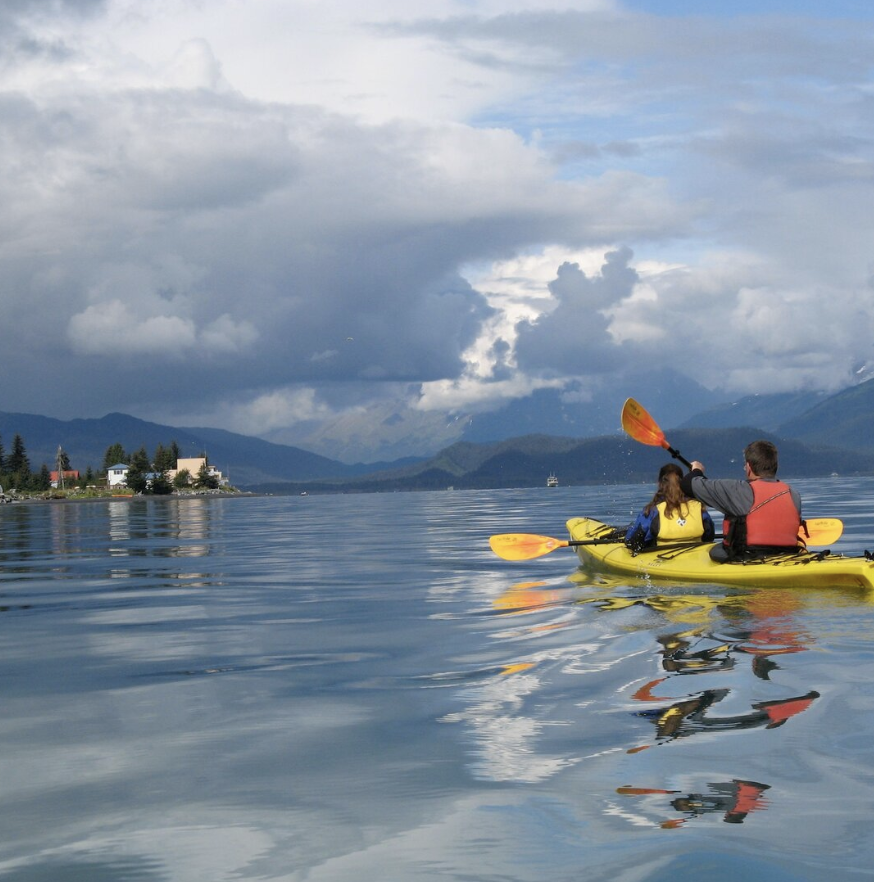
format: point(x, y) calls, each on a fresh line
point(669, 492)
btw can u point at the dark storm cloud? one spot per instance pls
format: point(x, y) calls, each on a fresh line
point(242, 246)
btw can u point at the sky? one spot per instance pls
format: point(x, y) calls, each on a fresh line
point(252, 213)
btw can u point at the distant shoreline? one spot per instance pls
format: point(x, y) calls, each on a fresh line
point(118, 497)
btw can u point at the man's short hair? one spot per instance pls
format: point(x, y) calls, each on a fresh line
point(762, 457)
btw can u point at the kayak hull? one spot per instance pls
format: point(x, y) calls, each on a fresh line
point(693, 563)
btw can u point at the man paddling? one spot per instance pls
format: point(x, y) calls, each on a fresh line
point(762, 514)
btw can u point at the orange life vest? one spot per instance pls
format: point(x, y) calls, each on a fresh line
point(772, 522)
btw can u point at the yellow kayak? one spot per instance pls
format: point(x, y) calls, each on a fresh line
point(692, 563)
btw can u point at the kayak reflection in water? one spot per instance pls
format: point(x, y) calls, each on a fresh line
point(735, 799)
point(690, 715)
point(680, 655)
point(696, 651)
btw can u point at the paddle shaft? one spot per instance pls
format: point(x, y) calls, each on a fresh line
point(677, 455)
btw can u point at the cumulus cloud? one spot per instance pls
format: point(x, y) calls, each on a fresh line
point(114, 329)
point(194, 66)
point(224, 334)
point(573, 338)
point(111, 329)
point(772, 334)
point(284, 407)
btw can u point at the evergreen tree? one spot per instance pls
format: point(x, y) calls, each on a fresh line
point(18, 464)
point(2, 458)
point(164, 458)
point(174, 450)
point(64, 460)
point(205, 480)
point(114, 455)
point(139, 467)
point(182, 479)
point(161, 486)
point(163, 462)
point(42, 480)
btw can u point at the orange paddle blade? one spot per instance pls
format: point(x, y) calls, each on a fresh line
point(641, 426)
point(523, 546)
point(822, 531)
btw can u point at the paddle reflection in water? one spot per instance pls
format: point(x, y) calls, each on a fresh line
point(683, 654)
point(692, 715)
point(733, 799)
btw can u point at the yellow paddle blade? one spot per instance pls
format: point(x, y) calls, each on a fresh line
point(523, 546)
point(822, 531)
point(641, 426)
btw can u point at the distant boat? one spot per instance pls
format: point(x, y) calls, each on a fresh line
point(552, 481)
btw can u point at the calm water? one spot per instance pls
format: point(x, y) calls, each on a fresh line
point(355, 688)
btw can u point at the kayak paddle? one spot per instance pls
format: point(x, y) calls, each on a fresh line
point(527, 546)
point(642, 427)
point(821, 531)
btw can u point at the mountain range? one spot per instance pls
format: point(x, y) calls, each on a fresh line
point(394, 429)
point(581, 441)
point(243, 459)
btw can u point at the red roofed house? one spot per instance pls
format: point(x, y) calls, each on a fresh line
point(70, 475)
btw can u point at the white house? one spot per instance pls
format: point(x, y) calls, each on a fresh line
point(116, 476)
